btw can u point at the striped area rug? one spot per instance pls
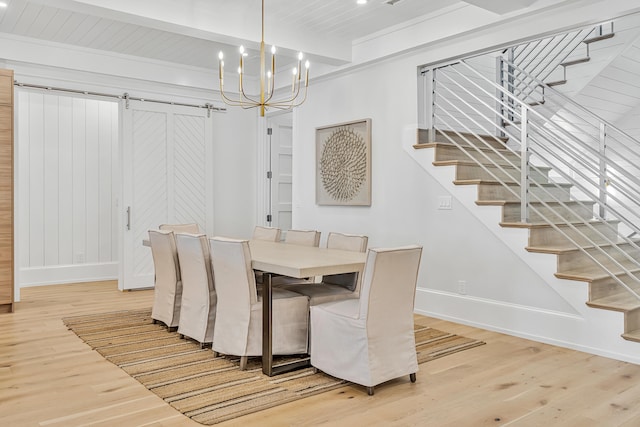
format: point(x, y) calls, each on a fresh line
point(213, 389)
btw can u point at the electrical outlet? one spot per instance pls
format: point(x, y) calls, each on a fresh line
point(444, 202)
point(462, 287)
point(79, 258)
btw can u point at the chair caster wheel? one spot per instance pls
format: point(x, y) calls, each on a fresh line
point(412, 377)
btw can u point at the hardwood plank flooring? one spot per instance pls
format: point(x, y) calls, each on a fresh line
point(48, 377)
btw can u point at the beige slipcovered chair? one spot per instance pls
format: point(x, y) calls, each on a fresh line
point(167, 293)
point(335, 286)
point(270, 234)
point(303, 237)
point(181, 228)
point(370, 340)
point(238, 328)
point(198, 306)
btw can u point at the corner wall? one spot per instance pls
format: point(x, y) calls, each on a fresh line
point(502, 291)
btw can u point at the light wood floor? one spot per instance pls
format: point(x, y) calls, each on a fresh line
point(48, 377)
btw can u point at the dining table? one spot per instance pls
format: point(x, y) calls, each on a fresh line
point(282, 259)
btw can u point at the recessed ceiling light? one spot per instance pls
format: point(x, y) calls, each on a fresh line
point(362, 2)
point(3, 4)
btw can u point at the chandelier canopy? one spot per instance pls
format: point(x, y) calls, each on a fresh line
point(265, 99)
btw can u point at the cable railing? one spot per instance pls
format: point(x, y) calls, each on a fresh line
point(549, 146)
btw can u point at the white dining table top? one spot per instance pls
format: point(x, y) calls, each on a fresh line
point(303, 261)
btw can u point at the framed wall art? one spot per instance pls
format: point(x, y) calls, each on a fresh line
point(343, 164)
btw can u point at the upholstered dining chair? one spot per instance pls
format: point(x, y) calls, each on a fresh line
point(181, 228)
point(167, 293)
point(270, 234)
point(370, 340)
point(302, 237)
point(198, 306)
point(238, 328)
point(335, 286)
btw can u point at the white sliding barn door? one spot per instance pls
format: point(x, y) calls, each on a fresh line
point(167, 178)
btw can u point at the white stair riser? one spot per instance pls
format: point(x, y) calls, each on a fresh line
point(506, 174)
point(511, 213)
point(448, 152)
point(487, 192)
point(548, 236)
point(577, 259)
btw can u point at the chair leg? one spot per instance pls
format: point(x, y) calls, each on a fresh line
point(215, 353)
point(203, 345)
point(315, 370)
point(154, 321)
point(172, 328)
point(181, 336)
point(243, 363)
point(370, 391)
point(412, 377)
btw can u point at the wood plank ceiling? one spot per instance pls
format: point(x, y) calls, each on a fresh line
point(101, 25)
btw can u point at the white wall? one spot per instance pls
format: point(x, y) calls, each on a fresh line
point(67, 187)
point(505, 290)
point(233, 167)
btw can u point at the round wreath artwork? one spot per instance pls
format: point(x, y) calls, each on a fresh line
point(343, 164)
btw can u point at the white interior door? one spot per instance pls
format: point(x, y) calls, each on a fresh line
point(167, 155)
point(281, 169)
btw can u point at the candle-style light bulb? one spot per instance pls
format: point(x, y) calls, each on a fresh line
point(300, 56)
point(220, 55)
point(241, 49)
point(306, 75)
point(269, 82)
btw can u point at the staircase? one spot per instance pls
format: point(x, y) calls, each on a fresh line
point(549, 165)
point(559, 226)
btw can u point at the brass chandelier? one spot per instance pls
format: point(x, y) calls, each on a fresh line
point(265, 99)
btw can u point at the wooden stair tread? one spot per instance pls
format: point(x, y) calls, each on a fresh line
point(507, 202)
point(622, 301)
point(632, 335)
point(547, 225)
point(423, 135)
point(563, 250)
point(480, 181)
point(444, 144)
point(598, 38)
point(458, 162)
point(557, 83)
point(470, 135)
point(591, 274)
point(576, 61)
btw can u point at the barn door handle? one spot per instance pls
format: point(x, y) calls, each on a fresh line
point(128, 217)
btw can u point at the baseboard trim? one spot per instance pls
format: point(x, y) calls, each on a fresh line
point(544, 326)
point(61, 274)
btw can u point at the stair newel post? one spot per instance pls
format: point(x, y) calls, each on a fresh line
point(524, 164)
point(603, 181)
